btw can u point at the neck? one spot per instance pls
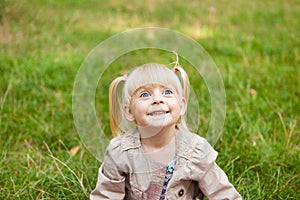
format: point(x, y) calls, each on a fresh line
point(155, 138)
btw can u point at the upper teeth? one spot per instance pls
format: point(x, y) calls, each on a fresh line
point(157, 113)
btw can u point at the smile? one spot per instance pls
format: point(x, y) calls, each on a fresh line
point(157, 113)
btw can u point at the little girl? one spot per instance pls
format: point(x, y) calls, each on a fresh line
point(159, 158)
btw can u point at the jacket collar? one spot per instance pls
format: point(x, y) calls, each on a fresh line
point(183, 139)
point(184, 143)
point(131, 140)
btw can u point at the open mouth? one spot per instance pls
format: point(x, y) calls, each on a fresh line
point(157, 113)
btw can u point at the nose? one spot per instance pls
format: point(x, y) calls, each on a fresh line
point(157, 101)
point(157, 98)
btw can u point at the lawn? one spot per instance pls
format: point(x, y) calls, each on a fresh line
point(255, 45)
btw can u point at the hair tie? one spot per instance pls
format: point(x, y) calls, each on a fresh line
point(124, 77)
point(175, 70)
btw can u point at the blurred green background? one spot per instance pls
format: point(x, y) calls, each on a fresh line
point(255, 45)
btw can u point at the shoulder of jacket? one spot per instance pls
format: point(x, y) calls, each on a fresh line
point(191, 145)
point(126, 141)
point(190, 138)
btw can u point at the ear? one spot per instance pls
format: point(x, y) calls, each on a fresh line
point(183, 106)
point(128, 114)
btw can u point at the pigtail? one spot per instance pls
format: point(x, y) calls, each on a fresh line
point(186, 92)
point(185, 81)
point(115, 106)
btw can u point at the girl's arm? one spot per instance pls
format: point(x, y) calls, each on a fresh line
point(110, 185)
point(215, 185)
point(111, 181)
point(212, 180)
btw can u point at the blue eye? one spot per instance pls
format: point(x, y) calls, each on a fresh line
point(168, 92)
point(145, 94)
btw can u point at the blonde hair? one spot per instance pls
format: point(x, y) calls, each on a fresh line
point(151, 73)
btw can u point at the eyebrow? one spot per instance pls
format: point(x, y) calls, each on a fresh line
point(146, 87)
point(151, 85)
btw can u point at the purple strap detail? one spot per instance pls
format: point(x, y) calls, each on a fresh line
point(169, 172)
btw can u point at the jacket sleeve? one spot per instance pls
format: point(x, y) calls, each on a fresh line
point(213, 181)
point(108, 188)
point(215, 185)
point(111, 181)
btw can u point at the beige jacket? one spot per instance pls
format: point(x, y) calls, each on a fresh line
point(128, 173)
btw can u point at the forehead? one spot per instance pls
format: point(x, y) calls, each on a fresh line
point(152, 86)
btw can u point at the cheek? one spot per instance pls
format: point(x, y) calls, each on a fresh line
point(175, 104)
point(178, 109)
point(138, 107)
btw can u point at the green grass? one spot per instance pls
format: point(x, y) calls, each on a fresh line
point(43, 43)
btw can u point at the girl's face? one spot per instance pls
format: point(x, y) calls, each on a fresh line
point(155, 106)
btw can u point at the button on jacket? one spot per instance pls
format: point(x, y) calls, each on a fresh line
point(128, 173)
